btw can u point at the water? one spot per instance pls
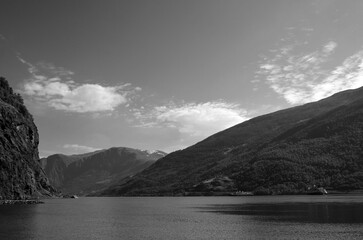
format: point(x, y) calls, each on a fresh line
point(265, 217)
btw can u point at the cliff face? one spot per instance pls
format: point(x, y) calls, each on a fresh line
point(21, 175)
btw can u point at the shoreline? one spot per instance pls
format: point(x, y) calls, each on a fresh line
point(231, 194)
point(18, 202)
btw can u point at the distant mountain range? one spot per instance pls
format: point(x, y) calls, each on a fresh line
point(285, 152)
point(91, 172)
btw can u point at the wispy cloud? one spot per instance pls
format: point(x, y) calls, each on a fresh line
point(79, 148)
point(193, 121)
point(301, 77)
point(54, 87)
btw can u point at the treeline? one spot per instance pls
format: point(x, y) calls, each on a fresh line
point(8, 96)
point(330, 156)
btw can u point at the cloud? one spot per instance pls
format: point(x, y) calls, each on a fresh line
point(79, 148)
point(329, 47)
point(301, 78)
point(193, 121)
point(54, 87)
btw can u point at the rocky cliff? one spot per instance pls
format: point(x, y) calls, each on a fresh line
point(21, 175)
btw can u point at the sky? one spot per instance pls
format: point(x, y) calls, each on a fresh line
point(166, 74)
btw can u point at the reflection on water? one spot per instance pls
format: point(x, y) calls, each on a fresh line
point(180, 218)
point(19, 223)
point(295, 212)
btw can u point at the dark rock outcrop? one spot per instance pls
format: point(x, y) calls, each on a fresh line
point(21, 175)
point(216, 184)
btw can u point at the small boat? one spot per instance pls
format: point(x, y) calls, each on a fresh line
point(74, 196)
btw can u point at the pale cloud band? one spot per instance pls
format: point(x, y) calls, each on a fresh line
point(301, 78)
point(83, 98)
point(193, 121)
point(79, 148)
point(54, 87)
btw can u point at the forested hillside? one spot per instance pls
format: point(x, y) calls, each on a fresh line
point(319, 143)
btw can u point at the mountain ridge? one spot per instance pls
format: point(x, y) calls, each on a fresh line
point(87, 173)
point(235, 151)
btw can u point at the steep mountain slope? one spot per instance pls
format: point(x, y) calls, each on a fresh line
point(91, 172)
point(21, 175)
point(288, 151)
point(56, 165)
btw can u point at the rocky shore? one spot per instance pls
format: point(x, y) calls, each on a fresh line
point(17, 202)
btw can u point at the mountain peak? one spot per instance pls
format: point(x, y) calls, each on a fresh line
point(155, 152)
point(88, 173)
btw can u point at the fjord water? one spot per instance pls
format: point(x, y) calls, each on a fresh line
point(265, 217)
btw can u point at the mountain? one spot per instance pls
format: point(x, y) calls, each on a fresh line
point(91, 172)
point(288, 151)
point(21, 175)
